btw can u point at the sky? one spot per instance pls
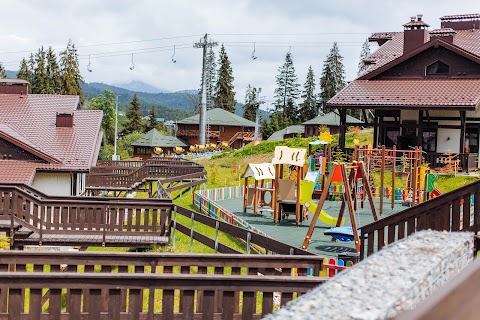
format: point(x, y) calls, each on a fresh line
point(108, 32)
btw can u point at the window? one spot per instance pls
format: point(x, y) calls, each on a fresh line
point(438, 68)
point(430, 139)
point(221, 128)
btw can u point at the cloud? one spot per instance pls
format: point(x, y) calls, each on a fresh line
point(309, 27)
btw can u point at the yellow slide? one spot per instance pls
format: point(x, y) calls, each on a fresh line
point(306, 191)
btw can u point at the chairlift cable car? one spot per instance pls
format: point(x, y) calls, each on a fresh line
point(88, 66)
point(254, 57)
point(133, 64)
point(173, 56)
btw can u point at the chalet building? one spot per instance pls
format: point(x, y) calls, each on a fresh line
point(45, 140)
point(223, 126)
point(423, 87)
point(145, 146)
point(287, 133)
point(330, 120)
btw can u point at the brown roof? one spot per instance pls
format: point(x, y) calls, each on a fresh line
point(435, 94)
point(461, 16)
point(467, 40)
point(28, 121)
point(443, 31)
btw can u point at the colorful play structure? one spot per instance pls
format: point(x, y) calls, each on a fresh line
point(289, 183)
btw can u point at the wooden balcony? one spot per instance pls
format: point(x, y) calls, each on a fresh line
point(102, 285)
point(30, 217)
point(194, 133)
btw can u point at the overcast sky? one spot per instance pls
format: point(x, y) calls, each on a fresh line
point(109, 31)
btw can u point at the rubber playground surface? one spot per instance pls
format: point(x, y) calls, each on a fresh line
point(320, 244)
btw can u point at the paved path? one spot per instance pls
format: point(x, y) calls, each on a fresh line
point(286, 231)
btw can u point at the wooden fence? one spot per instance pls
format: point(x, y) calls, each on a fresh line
point(250, 237)
point(457, 210)
point(84, 221)
point(140, 286)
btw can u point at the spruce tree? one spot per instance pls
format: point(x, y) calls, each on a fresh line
point(363, 55)
point(3, 74)
point(40, 80)
point(134, 116)
point(70, 72)
point(286, 94)
point(251, 103)
point(23, 71)
point(333, 76)
point(31, 66)
point(106, 102)
point(54, 80)
point(308, 109)
point(152, 122)
point(224, 96)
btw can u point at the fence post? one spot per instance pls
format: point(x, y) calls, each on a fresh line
point(216, 236)
point(174, 225)
point(191, 231)
point(249, 236)
point(105, 225)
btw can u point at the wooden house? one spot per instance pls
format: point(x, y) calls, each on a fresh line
point(145, 146)
point(329, 120)
point(287, 133)
point(222, 126)
point(423, 88)
point(46, 141)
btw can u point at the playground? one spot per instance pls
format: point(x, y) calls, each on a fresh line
point(311, 200)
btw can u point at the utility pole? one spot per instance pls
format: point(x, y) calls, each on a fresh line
point(260, 101)
point(115, 156)
point(204, 43)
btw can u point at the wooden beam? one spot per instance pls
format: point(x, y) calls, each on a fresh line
point(463, 117)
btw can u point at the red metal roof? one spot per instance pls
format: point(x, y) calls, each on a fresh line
point(30, 122)
point(468, 40)
point(461, 17)
point(435, 94)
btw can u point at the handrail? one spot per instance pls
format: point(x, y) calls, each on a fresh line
point(452, 211)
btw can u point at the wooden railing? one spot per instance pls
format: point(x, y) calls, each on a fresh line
point(194, 133)
point(107, 176)
point(457, 210)
point(140, 286)
point(250, 238)
point(83, 220)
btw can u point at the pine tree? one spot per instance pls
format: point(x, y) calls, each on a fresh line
point(54, 80)
point(24, 71)
point(152, 122)
point(286, 93)
point(134, 116)
point(39, 84)
point(363, 55)
point(251, 103)
point(31, 66)
point(224, 95)
point(70, 72)
point(333, 76)
point(3, 74)
point(106, 102)
point(308, 109)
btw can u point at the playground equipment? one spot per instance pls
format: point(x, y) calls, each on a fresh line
point(340, 174)
point(257, 196)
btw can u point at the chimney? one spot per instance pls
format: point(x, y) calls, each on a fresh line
point(415, 34)
point(446, 34)
point(64, 119)
point(13, 86)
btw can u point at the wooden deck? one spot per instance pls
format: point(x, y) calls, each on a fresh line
point(30, 217)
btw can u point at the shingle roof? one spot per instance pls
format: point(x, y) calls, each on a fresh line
point(279, 135)
point(330, 119)
point(153, 138)
point(14, 171)
point(416, 93)
point(29, 121)
point(221, 117)
point(392, 49)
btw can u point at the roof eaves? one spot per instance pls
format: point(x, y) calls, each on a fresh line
point(29, 148)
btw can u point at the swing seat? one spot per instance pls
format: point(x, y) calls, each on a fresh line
point(343, 234)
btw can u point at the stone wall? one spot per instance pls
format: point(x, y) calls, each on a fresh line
point(388, 282)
